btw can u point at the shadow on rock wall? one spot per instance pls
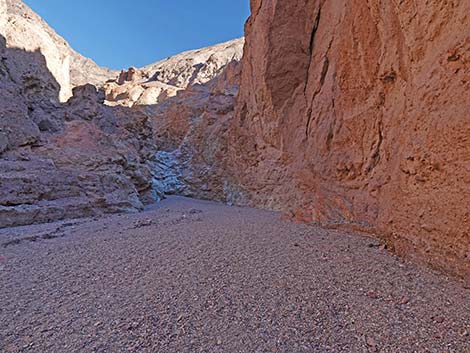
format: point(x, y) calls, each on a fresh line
point(85, 158)
point(63, 160)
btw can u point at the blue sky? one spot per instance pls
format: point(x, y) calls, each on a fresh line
point(120, 33)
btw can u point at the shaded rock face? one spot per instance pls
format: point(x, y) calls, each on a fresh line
point(64, 160)
point(356, 113)
point(23, 29)
point(191, 133)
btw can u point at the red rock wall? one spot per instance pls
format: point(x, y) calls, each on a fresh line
point(358, 113)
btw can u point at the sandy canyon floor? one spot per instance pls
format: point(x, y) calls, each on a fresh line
point(194, 276)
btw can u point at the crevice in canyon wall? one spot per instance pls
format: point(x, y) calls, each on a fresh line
point(375, 157)
point(311, 47)
point(324, 72)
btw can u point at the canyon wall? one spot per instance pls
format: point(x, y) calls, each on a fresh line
point(355, 113)
point(65, 160)
point(189, 99)
point(62, 159)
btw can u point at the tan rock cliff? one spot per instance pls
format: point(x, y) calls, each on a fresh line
point(161, 80)
point(24, 29)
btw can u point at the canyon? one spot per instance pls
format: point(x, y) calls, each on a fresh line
point(349, 115)
point(75, 145)
point(305, 188)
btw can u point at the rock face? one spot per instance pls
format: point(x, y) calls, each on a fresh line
point(196, 66)
point(159, 81)
point(65, 154)
point(63, 160)
point(191, 134)
point(24, 29)
point(356, 113)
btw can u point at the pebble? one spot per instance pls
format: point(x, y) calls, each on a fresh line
point(235, 281)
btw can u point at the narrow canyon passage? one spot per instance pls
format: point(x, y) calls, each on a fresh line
point(195, 276)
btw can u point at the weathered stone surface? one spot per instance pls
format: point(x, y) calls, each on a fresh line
point(190, 132)
point(25, 30)
point(159, 81)
point(356, 113)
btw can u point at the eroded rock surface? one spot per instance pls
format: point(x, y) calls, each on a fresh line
point(65, 160)
point(23, 29)
point(82, 157)
point(356, 113)
point(156, 82)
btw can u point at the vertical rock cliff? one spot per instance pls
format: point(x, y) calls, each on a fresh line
point(357, 113)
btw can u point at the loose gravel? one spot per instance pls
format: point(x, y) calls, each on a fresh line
point(195, 276)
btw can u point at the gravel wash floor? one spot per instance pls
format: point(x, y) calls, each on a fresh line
point(195, 276)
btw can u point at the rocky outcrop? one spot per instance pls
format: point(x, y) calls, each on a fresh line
point(196, 66)
point(23, 29)
point(79, 157)
point(64, 160)
point(156, 82)
point(190, 133)
point(356, 113)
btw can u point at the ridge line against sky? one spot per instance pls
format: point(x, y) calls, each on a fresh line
point(119, 33)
